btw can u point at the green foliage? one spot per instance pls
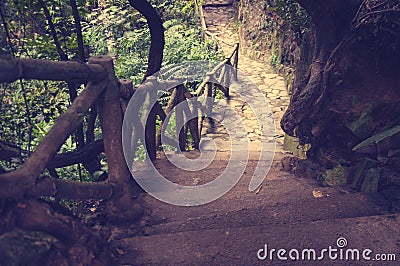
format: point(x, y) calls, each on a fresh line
point(183, 43)
point(128, 38)
point(292, 14)
point(109, 27)
point(277, 26)
point(275, 59)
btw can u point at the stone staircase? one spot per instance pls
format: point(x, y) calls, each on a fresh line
point(285, 212)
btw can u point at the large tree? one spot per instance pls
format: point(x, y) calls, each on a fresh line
point(351, 91)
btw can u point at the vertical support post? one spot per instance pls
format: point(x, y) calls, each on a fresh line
point(236, 62)
point(226, 78)
point(110, 115)
point(209, 95)
point(193, 123)
point(199, 121)
point(150, 134)
point(126, 91)
point(179, 116)
point(120, 206)
point(171, 104)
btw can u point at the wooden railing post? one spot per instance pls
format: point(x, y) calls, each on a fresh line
point(199, 9)
point(193, 123)
point(150, 129)
point(225, 77)
point(180, 119)
point(121, 206)
point(150, 134)
point(199, 121)
point(171, 104)
point(110, 115)
point(236, 62)
point(126, 91)
point(209, 95)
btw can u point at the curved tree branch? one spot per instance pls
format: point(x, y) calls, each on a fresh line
point(157, 34)
point(85, 154)
point(78, 31)
point(154, 64)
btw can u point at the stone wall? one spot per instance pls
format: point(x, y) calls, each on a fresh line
point(266, 35)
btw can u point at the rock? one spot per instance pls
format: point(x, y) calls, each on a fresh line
point(20, 247)
point(292, 144)
point(336, 176)
point(307, 169)
point(360, 169)
point(363, 126)
point(289, 163)
point(276, 109)
point(253, 136)
point(371, 180)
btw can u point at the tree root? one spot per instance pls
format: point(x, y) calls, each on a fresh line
point(76, 245)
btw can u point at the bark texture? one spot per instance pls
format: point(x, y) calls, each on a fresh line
point(154, 65)
point(347, 105)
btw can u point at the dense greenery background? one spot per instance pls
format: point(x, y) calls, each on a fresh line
point(29, 108)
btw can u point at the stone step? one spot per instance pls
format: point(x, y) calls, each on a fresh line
point(246, 214)
point(239, 246)
point(277, 201)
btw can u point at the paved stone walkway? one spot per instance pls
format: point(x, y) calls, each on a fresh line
point(221, 22)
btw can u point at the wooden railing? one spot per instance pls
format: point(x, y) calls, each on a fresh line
point(217, 79)
point(102, 90)
point(111, 96)
point(206, 33)
point(227, 70)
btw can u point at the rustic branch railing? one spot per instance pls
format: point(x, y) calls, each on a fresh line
point(101, 88)
point(217, 79)
point(227, 70)
point(72, 71)
point(111, 97)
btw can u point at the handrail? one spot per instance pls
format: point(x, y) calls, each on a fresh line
point(111, 96)
point(199, 9)
point(13, 69)
point(102, 89)
point(206, 88)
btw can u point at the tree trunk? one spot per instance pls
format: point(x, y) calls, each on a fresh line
point(154, 65)
point(332, 20)
point(348, 103)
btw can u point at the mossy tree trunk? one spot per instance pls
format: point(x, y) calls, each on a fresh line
point(332, 20)
point(351, 90)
